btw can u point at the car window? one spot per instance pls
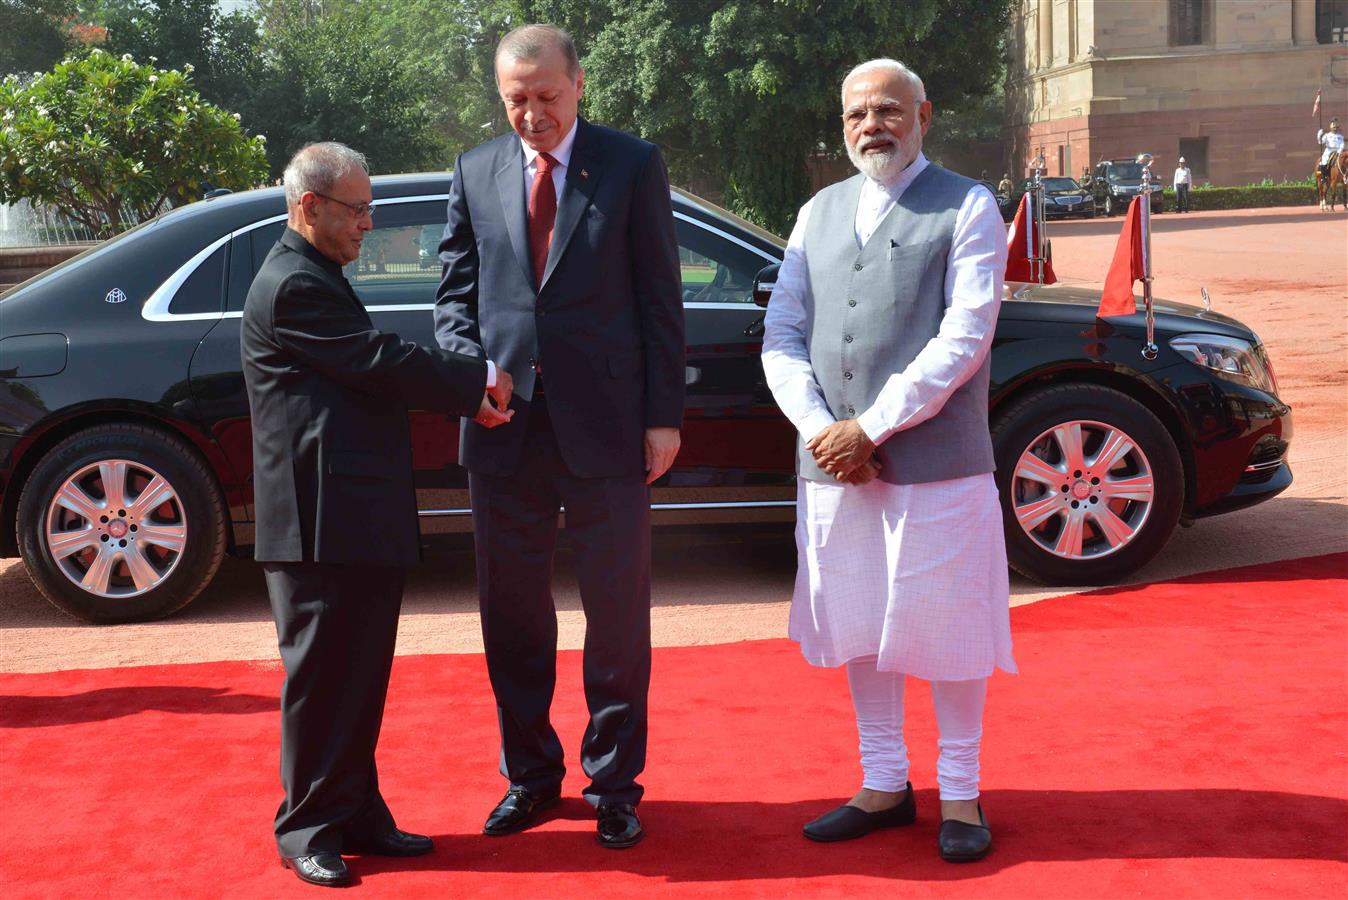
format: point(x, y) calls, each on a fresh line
point(204, 289)
point(713, 268)
point(398, 262)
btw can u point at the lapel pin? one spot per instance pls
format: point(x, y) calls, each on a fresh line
point(584, 174)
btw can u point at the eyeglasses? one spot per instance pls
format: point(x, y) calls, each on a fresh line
point(359, 210)
point(887, 112)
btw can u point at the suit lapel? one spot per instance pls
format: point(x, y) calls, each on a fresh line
point(582, 176)
point(510, 185)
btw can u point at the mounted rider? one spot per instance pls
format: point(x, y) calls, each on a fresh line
point(1332, 141)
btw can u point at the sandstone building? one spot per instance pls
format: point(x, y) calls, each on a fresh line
point(1228, 84)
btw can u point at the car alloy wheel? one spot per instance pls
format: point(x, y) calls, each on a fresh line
point(1090, 481)
point(116, 528)
point(121, 522)
point(1082, 489)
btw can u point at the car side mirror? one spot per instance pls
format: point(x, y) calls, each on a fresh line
point(764, 282)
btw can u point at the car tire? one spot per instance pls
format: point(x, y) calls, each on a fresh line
point(1091, 484)
point(124, 560)
point(1110, 208)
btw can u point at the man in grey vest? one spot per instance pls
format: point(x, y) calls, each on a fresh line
point(877, 350)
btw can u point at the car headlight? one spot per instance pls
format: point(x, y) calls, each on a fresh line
point(1230, 358)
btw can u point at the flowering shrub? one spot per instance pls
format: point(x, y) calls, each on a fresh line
point(103, 138)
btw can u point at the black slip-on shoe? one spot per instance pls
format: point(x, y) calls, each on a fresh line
point(962, 842)
point(848, 822)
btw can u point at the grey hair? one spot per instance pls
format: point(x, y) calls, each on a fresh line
point(529, 42)
point(317, 167)
point(891, 65)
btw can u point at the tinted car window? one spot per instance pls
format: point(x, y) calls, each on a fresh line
point(204, 289)
point(1125, 172)
point(713, 268)
point(398, 262)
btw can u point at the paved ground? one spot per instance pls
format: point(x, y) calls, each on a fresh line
point(1284, 272)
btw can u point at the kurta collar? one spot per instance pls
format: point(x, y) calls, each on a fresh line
point(899, 183)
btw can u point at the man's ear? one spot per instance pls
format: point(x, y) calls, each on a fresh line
point(924, 116)
point(580, 83)
point(309, 207)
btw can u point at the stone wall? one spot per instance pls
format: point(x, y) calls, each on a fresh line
point(21, 263)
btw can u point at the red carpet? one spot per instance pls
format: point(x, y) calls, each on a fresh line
point(1180, 739)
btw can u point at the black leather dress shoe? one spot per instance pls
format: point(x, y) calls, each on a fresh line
point(516, 811)
point(391, 843)
point(326, 869)
point(962, 842)
point(848, 822)
point(619, 826)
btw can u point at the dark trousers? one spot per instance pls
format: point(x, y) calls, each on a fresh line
point(1182, 197)
point(336, 626)
point(608, 523)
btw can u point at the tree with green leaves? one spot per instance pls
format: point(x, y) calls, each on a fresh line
point(327, 76)
point(34, 32)
point(102, 138)
point(740, 94)
point(223, 50)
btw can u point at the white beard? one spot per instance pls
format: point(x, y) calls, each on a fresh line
point(885, 165)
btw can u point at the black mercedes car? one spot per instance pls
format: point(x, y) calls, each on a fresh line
point(1063, 198)
point(125, 451)
point(1117, 181)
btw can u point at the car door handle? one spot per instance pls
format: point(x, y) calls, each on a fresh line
point(691, 375)
point(755, 328)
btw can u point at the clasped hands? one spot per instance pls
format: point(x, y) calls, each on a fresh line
point(844, 451)
point(495, 409)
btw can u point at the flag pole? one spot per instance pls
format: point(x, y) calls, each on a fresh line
point(1039, 261)
point(1150, 350)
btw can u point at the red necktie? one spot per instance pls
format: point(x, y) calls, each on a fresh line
point(542, 214)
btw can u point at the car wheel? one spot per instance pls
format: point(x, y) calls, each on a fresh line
point(1110, 209)
point(1091, 484)
point(121, 523)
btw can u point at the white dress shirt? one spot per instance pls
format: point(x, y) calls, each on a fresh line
point(561, 153)
point(973, 292)
point(1183, 175)
point(1332, 141)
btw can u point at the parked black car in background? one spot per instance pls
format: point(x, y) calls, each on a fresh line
point(1118, 181)
point(125, 447)
point(1063, 198)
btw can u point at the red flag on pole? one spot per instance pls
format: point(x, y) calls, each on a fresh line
point(1021, 246)
point(1315, 110)
point(1127, 267)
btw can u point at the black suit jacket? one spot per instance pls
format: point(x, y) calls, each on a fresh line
point(606, 324)
point(332, 454)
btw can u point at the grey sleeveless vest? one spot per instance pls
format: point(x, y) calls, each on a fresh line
point(870, 310)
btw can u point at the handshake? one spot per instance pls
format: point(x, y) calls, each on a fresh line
point(844, 451)
point(495, 409)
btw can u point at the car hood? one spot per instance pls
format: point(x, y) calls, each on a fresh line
point(1066, 303)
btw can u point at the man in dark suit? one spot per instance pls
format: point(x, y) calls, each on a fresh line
point(336, 513)
point(561, 263)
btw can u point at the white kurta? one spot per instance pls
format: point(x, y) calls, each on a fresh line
point(913, 574)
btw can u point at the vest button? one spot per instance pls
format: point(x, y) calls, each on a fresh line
point(851, 410)
point(847, 338)
point(851, 303)
point(858, 267)
point(847, 375)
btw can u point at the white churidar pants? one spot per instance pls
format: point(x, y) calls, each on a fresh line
point(878, 699)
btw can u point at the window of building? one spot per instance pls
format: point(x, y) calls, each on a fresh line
point(1190, 21)
point(1195, 153)
point(1331, 21)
